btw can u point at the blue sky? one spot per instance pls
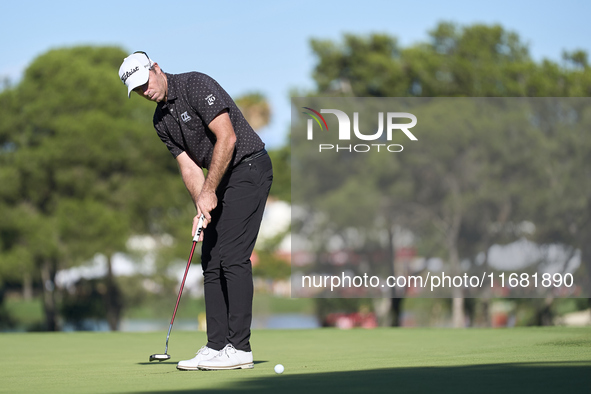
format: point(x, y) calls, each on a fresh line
point(264, 45)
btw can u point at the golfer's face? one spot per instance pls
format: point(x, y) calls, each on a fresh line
point(154, 89)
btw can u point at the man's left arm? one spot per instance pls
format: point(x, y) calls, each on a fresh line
point(223, 151)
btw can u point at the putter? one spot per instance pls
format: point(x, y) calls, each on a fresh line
point(166, 356)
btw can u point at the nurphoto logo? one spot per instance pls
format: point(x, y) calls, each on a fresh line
point(344, 131)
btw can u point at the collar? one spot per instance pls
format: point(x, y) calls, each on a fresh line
point(171, 95)
point(171, 80)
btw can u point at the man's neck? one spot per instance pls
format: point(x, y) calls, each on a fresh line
point(166, 89)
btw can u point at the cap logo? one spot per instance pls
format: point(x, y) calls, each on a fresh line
point(128, 74)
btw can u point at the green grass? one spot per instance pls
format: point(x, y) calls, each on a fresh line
point(263, 304)
point(29, 313)
point(520, 360)
point(160, 308)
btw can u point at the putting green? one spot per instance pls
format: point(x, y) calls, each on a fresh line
point(523, 360)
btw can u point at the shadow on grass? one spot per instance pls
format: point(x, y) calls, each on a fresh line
point(554, 377)
point(176, 362)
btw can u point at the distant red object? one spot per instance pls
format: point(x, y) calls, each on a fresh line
point(405, 253)
point(500, 319)
point(351, 320)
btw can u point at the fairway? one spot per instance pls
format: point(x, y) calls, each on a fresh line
point(520, 360)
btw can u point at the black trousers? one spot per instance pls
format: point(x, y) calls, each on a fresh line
point(228, 242)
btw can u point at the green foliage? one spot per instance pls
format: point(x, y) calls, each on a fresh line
point(84, 301)
point(255, 109)
point(6, 320)
point(473, 61)
point(361, 67)
point(466, 188)
point(80, 164)
point(270, 266)
point(281, 159)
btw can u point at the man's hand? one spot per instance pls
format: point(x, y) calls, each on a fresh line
point(223, 149)
point(195, 225)
point(206, 202)
point(203, 189)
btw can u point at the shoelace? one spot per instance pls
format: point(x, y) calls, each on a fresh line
point(229, 348)
point(203, 348)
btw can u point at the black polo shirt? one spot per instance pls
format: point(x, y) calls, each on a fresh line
point(193, 101)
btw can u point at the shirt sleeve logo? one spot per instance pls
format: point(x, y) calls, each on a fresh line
point(185, 117)
point(210, 99)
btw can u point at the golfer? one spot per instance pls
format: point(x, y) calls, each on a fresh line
point(203, 128)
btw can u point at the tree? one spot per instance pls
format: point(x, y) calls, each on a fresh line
point(79, 166)
point(255, 109)
point(281, 159)
point(469, 190)
point(257, 112)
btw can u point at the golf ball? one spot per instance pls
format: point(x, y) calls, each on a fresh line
point(279, 368)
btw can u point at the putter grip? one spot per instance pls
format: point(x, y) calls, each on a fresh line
point(199, 228)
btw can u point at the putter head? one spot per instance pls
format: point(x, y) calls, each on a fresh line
point(159, 357)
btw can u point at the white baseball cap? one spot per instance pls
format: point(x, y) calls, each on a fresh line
point(135, 70)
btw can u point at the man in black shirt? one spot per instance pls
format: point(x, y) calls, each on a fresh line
point(203, 128)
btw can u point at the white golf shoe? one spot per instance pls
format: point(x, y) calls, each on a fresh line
point(205, 353)
point(228, 358)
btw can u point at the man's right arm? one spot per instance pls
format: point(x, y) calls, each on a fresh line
point(193, 178)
